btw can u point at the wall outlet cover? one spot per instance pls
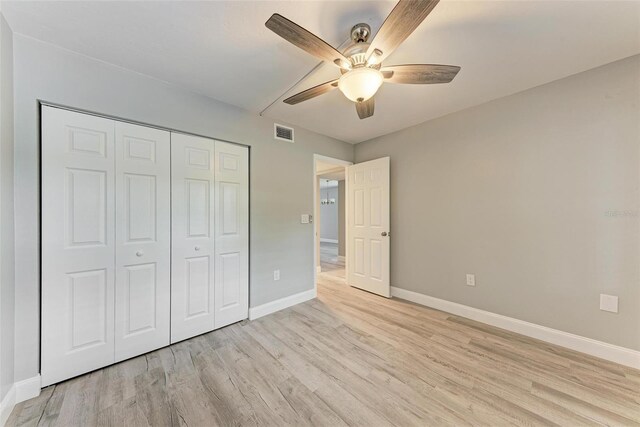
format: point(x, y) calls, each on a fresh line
point(471, 279)
point(276, 274)
point(609, 303)
point(304, 219)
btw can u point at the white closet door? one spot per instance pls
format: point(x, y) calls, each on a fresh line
point(231, 233)
point(78, 244)
point(143, 240)
point(192, 246)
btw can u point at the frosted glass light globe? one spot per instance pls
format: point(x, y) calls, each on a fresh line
point(360, 84)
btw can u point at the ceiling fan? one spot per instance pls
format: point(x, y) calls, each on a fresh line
point(361, 63)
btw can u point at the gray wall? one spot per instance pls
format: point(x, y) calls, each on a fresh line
point(329, 214)
point(7, 241)
point(342, 202)
point(535, 193)
point(279, 195)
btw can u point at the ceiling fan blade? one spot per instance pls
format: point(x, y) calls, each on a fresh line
point(310, 43)
point(312, 92)
point(365, 108)
point(420, 73)
point(405, 17)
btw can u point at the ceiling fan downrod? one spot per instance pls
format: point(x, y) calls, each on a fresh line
point(360, 33)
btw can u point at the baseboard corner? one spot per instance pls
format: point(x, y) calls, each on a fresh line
point(7, 404)
point(28, 389)
point(613, 353)
point(281, 304)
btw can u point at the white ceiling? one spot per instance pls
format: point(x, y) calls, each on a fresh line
point(223, 50)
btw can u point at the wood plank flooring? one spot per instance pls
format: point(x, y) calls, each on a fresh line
point(347, 358)
point(329, 259)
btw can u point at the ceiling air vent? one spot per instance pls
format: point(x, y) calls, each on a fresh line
point(282, 133)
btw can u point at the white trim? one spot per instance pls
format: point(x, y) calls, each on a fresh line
point(316, 207)
point(28, 389)
point(330, 172)
point(280, 304)
point(613, 353)
point(7, 404)
point(324, 240)
point(318, 269)
point(19, 392)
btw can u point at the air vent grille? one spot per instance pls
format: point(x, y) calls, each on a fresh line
point(282, 133)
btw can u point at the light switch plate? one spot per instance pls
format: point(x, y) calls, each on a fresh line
point(471, 279)
point(609, 303)
point(304, 219)
point(276, 274)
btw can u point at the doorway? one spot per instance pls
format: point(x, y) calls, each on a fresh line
point(330, 225)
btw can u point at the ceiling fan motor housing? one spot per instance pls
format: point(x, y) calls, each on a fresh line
point(357, 55)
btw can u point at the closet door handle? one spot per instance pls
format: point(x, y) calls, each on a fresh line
point(139, 253)
point(197, 248)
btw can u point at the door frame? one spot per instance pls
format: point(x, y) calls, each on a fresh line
point(316, 208)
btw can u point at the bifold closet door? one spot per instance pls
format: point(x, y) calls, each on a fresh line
point(105, 242)
point(210, 235)
point(143, 239)
point(193, 245)
point(231, 233)
point(78, 245)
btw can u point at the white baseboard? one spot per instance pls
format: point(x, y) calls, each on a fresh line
point(280, 304)
point(28, 389)
point(7, 404)
point(19, 392)
point(613, 353)
point(319, 269)
point(323, 240)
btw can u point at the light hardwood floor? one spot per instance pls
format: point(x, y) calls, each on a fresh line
point(347, 358)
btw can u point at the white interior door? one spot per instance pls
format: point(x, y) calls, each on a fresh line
point(192, 246)
point(231, 233)
point(143, 239)
point(78, 244)
point(368, 226)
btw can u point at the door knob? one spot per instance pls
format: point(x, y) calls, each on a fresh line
point(197, 248)
point(383, 234)
point(139, 253)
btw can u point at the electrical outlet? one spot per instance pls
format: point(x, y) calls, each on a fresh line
point(276, 274)
point(471, 279)
point(304, 219)
point(608, 303)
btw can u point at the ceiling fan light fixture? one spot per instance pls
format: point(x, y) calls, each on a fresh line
point(360, 84)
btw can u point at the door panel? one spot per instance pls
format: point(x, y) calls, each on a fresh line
point(88, 314)
point(143, 227)
point(192, 247)
point(141, 289)
point(231, 233)
point(198, 287)
point(198, 206)
point(140, 208)
point(78, 245)
point(368, 226)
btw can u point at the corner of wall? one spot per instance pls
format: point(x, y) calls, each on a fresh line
point(7, 226)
